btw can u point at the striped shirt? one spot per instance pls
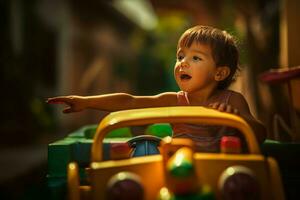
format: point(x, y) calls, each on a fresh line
point(206, 137)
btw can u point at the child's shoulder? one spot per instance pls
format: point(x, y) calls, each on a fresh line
point(236, 98)
point(231, 95)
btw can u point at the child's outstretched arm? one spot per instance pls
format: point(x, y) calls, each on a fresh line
point(114, 101)
point(238, 105)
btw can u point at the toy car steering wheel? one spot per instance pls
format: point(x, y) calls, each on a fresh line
point(144, 145)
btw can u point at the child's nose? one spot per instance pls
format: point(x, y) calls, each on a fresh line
point(184, 64)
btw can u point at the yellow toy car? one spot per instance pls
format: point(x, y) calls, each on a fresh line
point(178, 171)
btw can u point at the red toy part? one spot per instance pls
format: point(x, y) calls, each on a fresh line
point(280, 75)
point(119, 150)
point(230, 144)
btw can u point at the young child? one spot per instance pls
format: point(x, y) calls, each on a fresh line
point(207, 61)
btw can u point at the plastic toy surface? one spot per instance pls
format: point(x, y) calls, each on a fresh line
point(178, 172)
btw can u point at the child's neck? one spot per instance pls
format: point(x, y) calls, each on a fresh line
point(201, 97)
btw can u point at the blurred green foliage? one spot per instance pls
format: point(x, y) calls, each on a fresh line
point(155, 55)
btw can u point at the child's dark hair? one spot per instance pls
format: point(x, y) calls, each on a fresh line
point(223, 46)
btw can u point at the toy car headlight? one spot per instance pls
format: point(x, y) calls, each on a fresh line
point(125, 186)
point(239, 183)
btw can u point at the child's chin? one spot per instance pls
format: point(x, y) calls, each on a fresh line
point(185, 89)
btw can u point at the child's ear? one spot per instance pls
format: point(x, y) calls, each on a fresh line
point(222, 73)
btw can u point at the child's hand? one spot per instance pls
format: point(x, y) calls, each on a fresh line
point(74, 103)
point(223, 107)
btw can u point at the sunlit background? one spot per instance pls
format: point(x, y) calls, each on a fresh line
point(64, 47)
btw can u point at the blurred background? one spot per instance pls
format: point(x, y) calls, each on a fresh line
point(64, 47)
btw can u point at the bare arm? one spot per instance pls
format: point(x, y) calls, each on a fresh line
point(114, 101)
point(238, 105)
point(238, 101)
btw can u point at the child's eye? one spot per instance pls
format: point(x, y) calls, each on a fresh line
point(196, 58)
point(180, 57)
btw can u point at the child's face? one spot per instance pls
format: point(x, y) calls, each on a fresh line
point(195, 67)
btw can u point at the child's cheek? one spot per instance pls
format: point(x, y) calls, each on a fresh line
point(211, 75)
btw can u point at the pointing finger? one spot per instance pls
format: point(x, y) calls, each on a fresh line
point(56, 100)
point(61, 100)
point(67, 110)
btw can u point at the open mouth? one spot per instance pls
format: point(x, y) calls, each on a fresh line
point(185, 77)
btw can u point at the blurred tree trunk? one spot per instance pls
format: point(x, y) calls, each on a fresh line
point(262, 32)
point(290, 57)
